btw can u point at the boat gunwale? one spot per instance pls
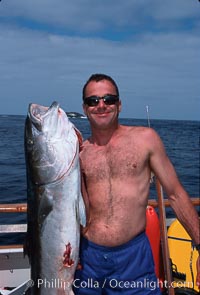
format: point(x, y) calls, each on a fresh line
point(22, 207)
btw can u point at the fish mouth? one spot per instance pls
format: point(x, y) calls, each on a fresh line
point(38, 113)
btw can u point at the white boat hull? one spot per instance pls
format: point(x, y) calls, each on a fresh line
point(14, 267)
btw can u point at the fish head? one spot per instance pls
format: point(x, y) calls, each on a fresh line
point(47, 120)
point(51, 143)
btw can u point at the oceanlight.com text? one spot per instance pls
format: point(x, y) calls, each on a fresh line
point(110, 283)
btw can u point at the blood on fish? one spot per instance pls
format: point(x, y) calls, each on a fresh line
point(67, 261)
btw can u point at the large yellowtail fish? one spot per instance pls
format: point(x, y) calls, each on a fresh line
point(55, 204)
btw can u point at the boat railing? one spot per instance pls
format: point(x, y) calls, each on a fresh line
point(22, 208)
point(13, 228)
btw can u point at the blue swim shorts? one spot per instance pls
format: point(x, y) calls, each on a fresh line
point(125, 269)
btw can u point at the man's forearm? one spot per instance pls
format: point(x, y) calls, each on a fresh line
point(187, 215)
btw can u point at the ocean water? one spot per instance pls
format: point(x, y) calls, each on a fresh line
point(181, 140)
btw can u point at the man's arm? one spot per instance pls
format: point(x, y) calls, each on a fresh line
point(178, 197)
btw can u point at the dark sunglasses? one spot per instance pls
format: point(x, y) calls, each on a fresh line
point(108, 99)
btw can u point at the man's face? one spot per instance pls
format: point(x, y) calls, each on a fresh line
point(102, 115)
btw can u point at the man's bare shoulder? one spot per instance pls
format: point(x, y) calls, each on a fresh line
point(86, 142)
point(86, 146)
point(140, 137)
point(145, 137)
point(140, 130)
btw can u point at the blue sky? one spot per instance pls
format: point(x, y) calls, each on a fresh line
point(49, 48)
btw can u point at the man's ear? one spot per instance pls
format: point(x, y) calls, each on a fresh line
point(119, 105)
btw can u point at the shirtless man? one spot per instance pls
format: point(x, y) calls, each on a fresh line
point(116, 166)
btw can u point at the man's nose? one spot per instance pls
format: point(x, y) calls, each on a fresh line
point(101, 104)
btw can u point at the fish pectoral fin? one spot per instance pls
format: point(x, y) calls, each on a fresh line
point(45, 207)
point(81, 211)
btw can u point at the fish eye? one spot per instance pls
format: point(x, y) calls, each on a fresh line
point(30, 141)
